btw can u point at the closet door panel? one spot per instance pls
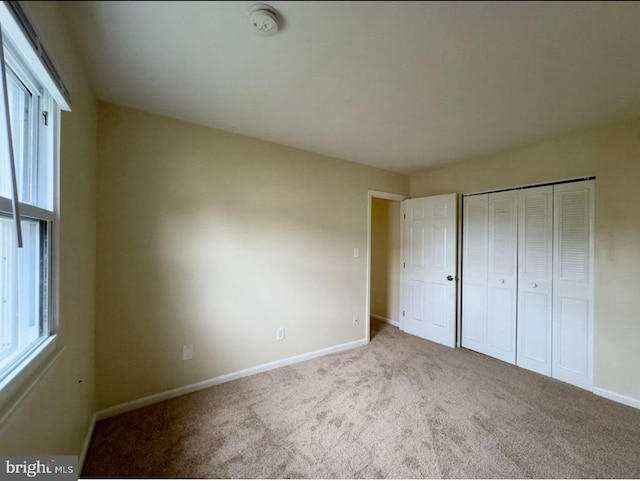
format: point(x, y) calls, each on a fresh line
point(572, 337)
point(502, 275)
point(535, 278)
point(474, 273)
point(501, 322)
point(573, 283)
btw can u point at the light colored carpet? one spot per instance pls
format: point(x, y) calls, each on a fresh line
point(400, 407)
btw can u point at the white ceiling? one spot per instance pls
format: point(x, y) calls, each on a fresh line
point(398, 85)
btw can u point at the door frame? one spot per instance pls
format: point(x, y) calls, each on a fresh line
point(388, 196)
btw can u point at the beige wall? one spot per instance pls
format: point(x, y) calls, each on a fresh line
point(215, 239)
point(56, 414)
point(385, 258)
point(612, 154)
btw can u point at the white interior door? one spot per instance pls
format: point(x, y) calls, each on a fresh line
point(474, 272)
point(573, 283)
point(429, 268)
point(535, 268)
point(502, 276)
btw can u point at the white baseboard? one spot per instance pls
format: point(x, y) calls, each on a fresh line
point(154, 398)
point(384, 319)
point(629, 401)
point(85, 446)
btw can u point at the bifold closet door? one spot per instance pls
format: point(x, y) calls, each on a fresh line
point(535, 276)
point(502, 276)
point(474, 272)
point(490, 275)
point(573, 285)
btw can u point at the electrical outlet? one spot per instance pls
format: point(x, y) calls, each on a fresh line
point(280, 334)
point(187, 352)
point(356, 320)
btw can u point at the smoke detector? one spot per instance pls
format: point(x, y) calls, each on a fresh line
point(264, 20)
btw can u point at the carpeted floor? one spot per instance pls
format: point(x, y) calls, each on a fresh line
point(400, 407)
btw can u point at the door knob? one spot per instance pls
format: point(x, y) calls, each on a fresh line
point(449, 278)
point(534, 285)
point(501, 281)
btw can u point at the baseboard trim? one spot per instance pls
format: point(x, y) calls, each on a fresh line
point(621, 398)
point(154, 398)
point(85, 445)
point(384, 319)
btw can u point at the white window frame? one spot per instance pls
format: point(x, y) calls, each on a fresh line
point(26, 64)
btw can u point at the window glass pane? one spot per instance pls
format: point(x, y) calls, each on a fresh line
point(5, 169)
point(21, 108)
point(21, 290)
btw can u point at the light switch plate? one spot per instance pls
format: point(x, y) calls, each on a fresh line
point(187, 352)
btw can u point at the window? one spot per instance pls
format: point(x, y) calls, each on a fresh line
point(27, 280)
point(25, 272)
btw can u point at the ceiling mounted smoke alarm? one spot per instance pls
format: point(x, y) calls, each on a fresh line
point(264, 20)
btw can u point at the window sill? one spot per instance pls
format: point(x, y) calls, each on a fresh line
point(26, 375)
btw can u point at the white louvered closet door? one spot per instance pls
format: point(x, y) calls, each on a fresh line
point(535, 274)
point(573, 283)
point(502, 276)
point(474, 273)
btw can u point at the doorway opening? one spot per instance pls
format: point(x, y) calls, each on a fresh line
point(384, 251)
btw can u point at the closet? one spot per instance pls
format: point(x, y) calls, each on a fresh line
point(527, 278)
